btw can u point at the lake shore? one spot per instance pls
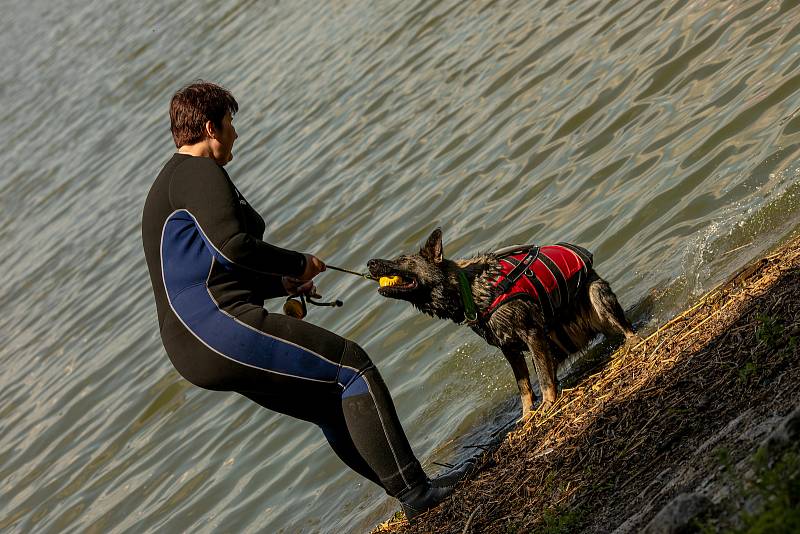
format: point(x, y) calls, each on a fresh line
point(694, 428)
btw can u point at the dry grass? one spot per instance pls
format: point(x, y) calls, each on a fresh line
point(582, 465)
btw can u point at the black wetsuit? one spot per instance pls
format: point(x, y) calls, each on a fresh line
point(211, 272)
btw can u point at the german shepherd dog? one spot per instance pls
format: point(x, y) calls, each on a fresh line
point(585, 307)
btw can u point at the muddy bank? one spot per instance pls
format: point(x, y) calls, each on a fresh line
point(694, 429)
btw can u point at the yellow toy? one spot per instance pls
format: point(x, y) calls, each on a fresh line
point(389, 281)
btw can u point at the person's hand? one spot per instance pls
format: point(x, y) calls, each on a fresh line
point(314, 266)
point(295, 287)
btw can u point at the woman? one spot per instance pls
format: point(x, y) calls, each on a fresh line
point(211, 272)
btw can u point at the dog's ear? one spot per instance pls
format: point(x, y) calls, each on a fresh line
point(432, 251)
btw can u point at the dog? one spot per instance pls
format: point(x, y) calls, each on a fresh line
point(545, 300)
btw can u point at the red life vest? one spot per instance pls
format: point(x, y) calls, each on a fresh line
point(552, 275)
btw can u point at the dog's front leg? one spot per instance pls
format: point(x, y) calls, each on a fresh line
point(520, 368)
point(545, 367)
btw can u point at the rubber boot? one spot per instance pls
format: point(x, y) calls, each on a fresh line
point(427, 495)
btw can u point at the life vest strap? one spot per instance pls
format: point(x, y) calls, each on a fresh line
point(511, 278)
point(512, 250)
point(561, 296)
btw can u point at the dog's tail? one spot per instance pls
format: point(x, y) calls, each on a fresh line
point(608, 314)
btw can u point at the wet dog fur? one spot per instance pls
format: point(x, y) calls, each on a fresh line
point(430, 282)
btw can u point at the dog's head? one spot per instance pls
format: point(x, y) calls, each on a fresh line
point(420, 277)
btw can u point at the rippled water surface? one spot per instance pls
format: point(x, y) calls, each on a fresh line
point(664, 136)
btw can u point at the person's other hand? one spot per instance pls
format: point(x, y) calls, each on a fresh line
point(314, 266)
point(295, 287)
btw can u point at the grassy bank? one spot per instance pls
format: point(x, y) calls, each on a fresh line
point(684, 417)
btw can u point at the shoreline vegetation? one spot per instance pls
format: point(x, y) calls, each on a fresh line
point(695, 429)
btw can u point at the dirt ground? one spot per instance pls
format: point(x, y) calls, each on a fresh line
point(681, 413)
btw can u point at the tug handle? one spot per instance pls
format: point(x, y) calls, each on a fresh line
point(297, 308)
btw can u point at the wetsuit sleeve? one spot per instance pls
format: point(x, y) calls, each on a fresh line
point(202, 188)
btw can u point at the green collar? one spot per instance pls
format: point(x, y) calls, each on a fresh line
point(470, 313)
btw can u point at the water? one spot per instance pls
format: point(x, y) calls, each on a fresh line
point(663, 135)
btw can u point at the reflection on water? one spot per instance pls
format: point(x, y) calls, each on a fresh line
point(662, 135)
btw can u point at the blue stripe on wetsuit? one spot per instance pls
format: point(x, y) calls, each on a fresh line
point(186, 259)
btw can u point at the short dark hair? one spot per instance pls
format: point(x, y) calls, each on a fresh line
point(195, 104)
